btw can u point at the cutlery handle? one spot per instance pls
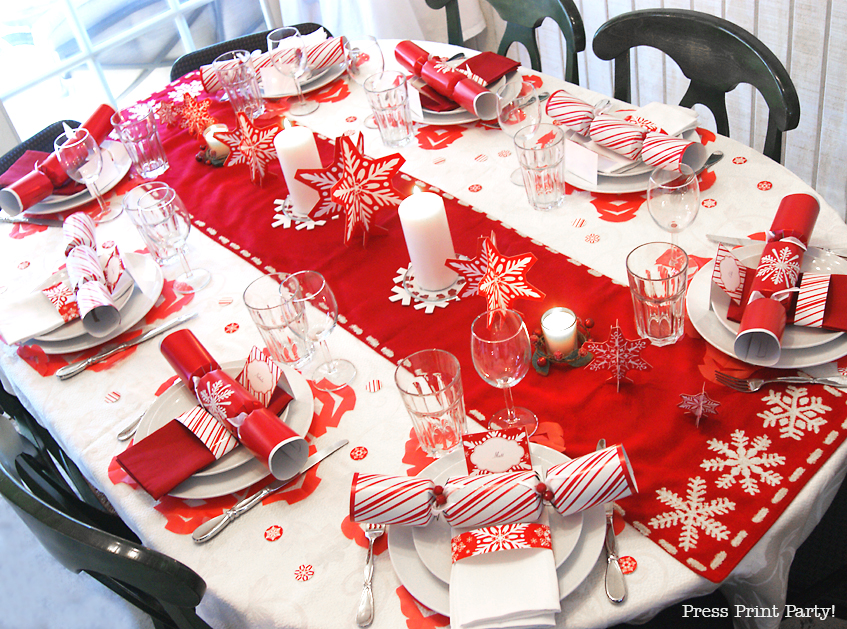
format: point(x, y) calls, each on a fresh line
point(805, 380)
point(210, 529)
point(365, 614)
point(615, 584)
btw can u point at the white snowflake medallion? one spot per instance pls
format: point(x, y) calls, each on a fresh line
point(795, 411)
point(693, 513)
point(214, 399)
point(781, 267)
point(745, 461)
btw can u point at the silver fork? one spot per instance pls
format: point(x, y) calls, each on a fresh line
point(754, 384)
point(365, 614)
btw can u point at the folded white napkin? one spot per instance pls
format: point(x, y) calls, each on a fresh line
point(673, 119)
point(507, 588)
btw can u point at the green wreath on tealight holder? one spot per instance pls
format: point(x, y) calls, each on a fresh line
point(542, 360)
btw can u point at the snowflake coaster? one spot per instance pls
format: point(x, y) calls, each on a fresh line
point(363, 188)
point(250, 145)
point(195, 115)
point(503, 278)
point(405, 290)
point(619, 355)
point(699, 405)
point(322, 181)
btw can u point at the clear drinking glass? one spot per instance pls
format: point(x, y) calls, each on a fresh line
point(311, 311)
point(541, 154)
point(364, 58)
point(82, 160)
point(288, 55)
point(673, 199)
point(237, 74)
point(166, 222)
point(130, 206)
point(658, 277)
point(388, 96)
point(502, 354)
point(518, 106)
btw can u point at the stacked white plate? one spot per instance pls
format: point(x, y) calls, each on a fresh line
point(316, 81)
point(421, 555)
point(237, 469)
point(801, 347)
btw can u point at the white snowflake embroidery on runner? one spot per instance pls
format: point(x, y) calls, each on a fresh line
point(781, 268)
point(194, 88)
point(795, 411)
point(214, 397)
point(693, 513)
point(746, 462)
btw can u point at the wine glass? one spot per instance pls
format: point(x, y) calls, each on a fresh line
point(311, 311)
point(165, 220)
point(82, 160)
point(288, 55)
point(518, 106)
point(364, 58)
point(502, 354)
point(673, 199)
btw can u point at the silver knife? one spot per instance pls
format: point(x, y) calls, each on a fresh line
point(210, 529)
point(33, 220)
point(74, 368)
point(615, 584)
point(741, 242)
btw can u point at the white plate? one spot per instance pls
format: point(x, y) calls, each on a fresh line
point(795, 336)
point(148, 286)
point(325, 77)
point(433, 541)
point(435, 594)
point(57, 203)
point(177, 400)
point(705, 321)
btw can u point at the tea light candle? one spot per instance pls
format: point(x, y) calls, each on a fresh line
point(218, 149)
point(428, 239)
point(559, 327)
point(297, 150)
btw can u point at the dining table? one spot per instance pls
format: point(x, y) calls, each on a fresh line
point(729, 483)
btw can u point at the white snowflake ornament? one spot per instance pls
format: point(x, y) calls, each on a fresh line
point(699, 404)
point(250, 145)
point(619, 355)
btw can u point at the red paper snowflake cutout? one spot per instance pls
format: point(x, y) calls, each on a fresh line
point(304, 573)
point(273, 533)
point(364, 187)
point(250, 145)
point(195, 115)
point(505, 278)
point(699, 404)
point(323, 179)
point(619, 355)
point(169, 113)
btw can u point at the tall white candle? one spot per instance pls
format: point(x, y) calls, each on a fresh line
point(559, 327)
point(297, 150)
point(428, 239)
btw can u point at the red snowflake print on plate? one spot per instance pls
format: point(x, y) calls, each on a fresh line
point(273, 533)
point(764, 185)
point(358, 453)
point(231, 328)
point(304, 573)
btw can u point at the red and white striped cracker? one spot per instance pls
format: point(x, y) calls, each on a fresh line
point(381, 499)
point(79, 229)
point(571, 111)
point(591, 480)
point(490, 499)
point(83, 266)
point(668, 152)
point(100, 317)
point(319, 56)
point(811, 300)
point(618, 135)
point(209, 430)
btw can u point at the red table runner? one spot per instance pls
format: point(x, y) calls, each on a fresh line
point(707, 493)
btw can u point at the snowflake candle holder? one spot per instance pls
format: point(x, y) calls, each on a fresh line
point(425, 295)
point(543, 357)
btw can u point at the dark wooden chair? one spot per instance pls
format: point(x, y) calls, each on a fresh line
point(522, 17)
point(256, 41)
point(41, 141)
point(160, 586)
point(714, 54)
point(454, 22)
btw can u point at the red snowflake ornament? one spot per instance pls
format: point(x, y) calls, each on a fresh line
point(474, 269)
point(250, 145)
point(618, 354)
point(195, 115)
point(364, 187)
point(699, 404)
point(323, 179)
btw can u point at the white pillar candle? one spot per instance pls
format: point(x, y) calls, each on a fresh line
point(297, 150)
point(218, 149)
point(428, 239)
point(559, 327)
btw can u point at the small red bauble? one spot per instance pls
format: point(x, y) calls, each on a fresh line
point(541, 488)
point(589, 323)
point(558, 355)
point(548, 495)
point(541, 361)
point(440, 499)
point(438, 490)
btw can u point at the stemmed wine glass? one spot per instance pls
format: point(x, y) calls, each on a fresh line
point(166, 222)
point(673, 199)
point(311, 311)
point(82, 160)
point(364, 58)
point(502, 354)
point(518, 106)
point(288, 55)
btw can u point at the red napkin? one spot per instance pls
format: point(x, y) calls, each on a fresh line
point(165, 458)
point(26, 163)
